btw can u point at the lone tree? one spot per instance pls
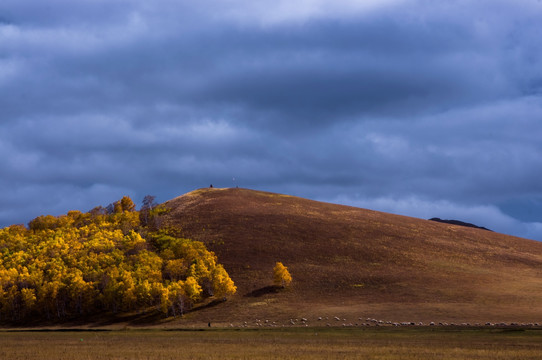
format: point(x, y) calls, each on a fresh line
point(146, 208)
point(281, 276)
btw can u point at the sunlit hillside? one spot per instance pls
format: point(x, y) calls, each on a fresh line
point(354, 262)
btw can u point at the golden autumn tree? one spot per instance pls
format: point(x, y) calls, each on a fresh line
point(281, 275)
point(222, 283)
point(102, 261)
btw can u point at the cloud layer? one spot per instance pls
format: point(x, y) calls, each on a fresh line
point(424, 108)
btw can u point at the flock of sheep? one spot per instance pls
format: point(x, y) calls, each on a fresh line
point(337, 321)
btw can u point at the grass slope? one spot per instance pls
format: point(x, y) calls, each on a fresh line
point(351, 262)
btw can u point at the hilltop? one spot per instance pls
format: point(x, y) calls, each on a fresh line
point(352, 262)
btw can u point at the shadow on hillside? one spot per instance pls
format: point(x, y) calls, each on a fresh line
point(273, 289)
point(132, 319)
point(140, 318)
point(208, 305)
point(93, 320)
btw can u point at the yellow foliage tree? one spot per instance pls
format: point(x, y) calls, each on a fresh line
point(222, 283)
point(192, 289)
point(83, 263)
point(281, 276)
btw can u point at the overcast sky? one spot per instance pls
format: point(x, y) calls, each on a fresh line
point(424, 108)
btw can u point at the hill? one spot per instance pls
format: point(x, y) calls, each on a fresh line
point(351, 262)
point(458, 222)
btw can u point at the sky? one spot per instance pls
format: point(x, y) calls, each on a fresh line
point(425, 108)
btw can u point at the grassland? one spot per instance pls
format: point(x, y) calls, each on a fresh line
point(351, 262)
point(300, 343)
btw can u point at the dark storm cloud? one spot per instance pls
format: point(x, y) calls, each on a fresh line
point(421, 108)
point(348, 69)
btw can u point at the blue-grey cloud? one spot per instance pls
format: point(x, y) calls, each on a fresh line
point(408, 106)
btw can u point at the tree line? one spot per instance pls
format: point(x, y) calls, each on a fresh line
point(113, 259)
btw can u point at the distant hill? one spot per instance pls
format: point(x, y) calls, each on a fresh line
point(356, 263)
point(460, 223)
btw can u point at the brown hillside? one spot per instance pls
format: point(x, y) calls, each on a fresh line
point(352, 262)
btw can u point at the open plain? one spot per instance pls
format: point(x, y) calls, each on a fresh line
point(299, 343)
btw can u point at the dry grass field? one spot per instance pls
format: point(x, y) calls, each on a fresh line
point(300, 343)
point(356, 263)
